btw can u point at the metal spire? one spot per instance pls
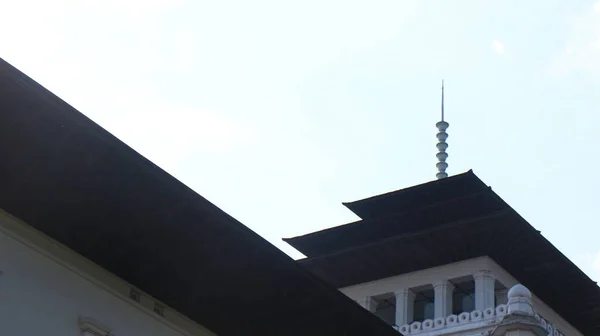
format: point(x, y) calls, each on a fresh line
point(442, 100)
point(442, 145)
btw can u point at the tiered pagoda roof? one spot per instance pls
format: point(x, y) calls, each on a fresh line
point(442, 222)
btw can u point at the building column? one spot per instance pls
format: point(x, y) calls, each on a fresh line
point(443, 298)
point(369, 303)
point(484, 290)
point(405, 301)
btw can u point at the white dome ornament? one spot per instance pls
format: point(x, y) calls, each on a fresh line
point(519, 301)
point(442, 145)
point(518, 290)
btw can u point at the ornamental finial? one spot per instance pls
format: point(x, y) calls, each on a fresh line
point(442, 145)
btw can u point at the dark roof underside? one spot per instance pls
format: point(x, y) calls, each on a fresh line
point(67, 177)
point(450, 230)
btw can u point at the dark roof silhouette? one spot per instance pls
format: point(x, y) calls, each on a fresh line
point(67, 177)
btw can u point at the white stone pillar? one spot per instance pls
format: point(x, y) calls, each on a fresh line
point(443, 298)
point(369, 303)
point(484, 290)
point(405, 301)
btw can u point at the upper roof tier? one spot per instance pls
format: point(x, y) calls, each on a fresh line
point(416, 196)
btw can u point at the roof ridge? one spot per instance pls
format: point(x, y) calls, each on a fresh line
point(434, 182)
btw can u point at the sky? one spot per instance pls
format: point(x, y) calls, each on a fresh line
point(278, 111)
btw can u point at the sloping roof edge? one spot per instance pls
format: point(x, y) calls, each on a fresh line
point(35, 124)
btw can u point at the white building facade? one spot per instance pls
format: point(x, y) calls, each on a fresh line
point(423, 302)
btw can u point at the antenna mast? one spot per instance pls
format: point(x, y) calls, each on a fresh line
point(442, 145)
point(442, 100)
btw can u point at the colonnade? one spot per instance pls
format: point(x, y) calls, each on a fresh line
point(443, 293)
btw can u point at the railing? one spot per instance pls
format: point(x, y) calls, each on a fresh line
point(552, 331)
point(462, 319)
point(466, 321)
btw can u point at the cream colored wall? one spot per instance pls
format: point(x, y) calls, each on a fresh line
point(45, 289)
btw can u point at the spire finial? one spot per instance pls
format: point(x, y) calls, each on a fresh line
point(442, 145)
point(442, 100)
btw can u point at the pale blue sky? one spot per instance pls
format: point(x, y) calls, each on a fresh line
point(277, 111)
